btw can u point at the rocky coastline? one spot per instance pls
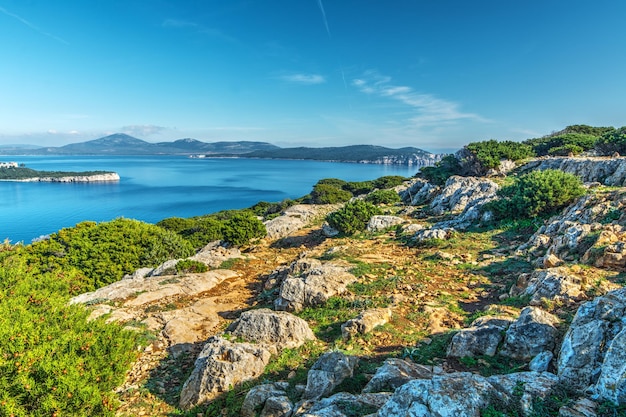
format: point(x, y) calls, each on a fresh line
point(106, 177)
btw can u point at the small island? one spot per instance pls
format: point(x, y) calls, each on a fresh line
point(11, 171)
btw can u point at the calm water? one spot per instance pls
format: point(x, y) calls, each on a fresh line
point(153, 188)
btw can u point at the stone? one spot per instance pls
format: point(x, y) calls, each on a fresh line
point(295, 218)
point(312, 286)
point(583, 407)
point(394, 373)
point(258, 395)
point(541, 362)
point(482, 338)
point(608, 171)
point(277, 407)
point(166, 268)
point(553, 284)
point(215, 254)
point(329, 231)
point(220, 366)
point(379, 223)
point(532, 333)
point(428, 234)
point(366, 322)
point(343, 404)
point(461, 192)
point(419, 192)
point(551, 261)
point(330, 370)
point(587, 341)
point(276, 329)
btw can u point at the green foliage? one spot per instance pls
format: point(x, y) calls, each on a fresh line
point(353, 217)
point(21, 173)
point(389, 181)
point(431, 353)
point(103, 253)
point(444, 169)
point(535, 194)
point(190, 266)
point(489, 153)
point(329, 194)
point(613, 141)
point(54, 361)
point(359, 187)
point(563, 144)
point(270, 210)
point(243, 227)
point(383, 197)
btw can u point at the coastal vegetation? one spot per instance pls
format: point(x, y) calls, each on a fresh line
point(23, 173)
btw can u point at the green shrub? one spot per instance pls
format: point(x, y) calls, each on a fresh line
point(613, 141)
point(329, 194)
point(353, 217)
point(389, 181)
point(190, 266)
point(535, 194)
point(176, 224)
point(563, 144)
point(566, 150)
point(241, 228)
point(269, 210)
point(383, 197)
point(444, 169)
point(105, 252)
point(204, 231)
point(489, 153)
point(359, 187)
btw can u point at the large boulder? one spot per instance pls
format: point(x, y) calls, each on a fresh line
point(461, 192)
point(419, 192)
point(295, 218)
point(330, 370)
point(482, 338)
point(215, 254)
point(379, 223)
point(608, 171)
point(221, 366)
point(592, 352)
point(342, 404)
point(275, 329)
point(464, 394)
point(532, 333)
point(312, 286)
point(365, 322)
point(258, 396)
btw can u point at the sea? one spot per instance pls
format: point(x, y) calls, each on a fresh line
point(152, 188)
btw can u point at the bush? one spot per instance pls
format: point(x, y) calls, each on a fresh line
point(203, 231)
point(383, 197)
point(359, 187)
point(389, 181)
point(444, 169)
point(613, 141)
point(190, 266)
point(563, 144)
point(103, 253)
point(329, 194)
point(241, 228)
point(353, 217)
point(535, 194)
point(489, 153)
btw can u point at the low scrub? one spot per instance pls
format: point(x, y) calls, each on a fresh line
point(535, 194)
point(383, 197)
point(489, 153)
point(353, 217)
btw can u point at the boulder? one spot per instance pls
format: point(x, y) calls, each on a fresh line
point(419, 192)
point(257, 397)
point(434, 233)
point(541, 362)
point(296, 217)
point(380, 223)
point(365, 322)
point(532, 333)
point(553, 284)
point(220, 366)
point(215, 253)
point(327, 372)
point(461, 192)
point(312, 286)
point(394, 373)
point(482, 338)
point(342, 404)
point(608, 171)
point(588, 339)
point(275, 329)
point(277, 407)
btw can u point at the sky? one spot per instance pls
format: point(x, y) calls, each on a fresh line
point(430, 74)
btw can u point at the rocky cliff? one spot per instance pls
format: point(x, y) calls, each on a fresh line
point(108, 177)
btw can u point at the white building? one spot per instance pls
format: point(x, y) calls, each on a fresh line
point(8, 164)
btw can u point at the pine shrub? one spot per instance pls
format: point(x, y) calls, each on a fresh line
point(353, 217)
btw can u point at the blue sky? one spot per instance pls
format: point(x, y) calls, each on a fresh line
point(429, 74)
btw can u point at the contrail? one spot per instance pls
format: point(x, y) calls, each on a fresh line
point(33, 27)
point(319, 3)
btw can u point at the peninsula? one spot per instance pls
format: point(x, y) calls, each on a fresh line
point(10, 171)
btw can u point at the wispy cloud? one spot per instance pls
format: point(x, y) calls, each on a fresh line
point(321, 6)
point(304, 79)
point(143, 130)
point(212, 32)
point(428, 110)
point(32, 26)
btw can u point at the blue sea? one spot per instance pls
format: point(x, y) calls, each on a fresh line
point(156, 187)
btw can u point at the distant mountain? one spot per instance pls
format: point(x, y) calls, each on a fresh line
point(122, 144)
point(365, 154)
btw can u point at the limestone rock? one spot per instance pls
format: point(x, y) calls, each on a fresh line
point(532, 333)
point(276, 329)
point(166, 268)
point(329, 231)
point(583, 407)
point(394, 373)
point(608, 171)
point(258, 396)
point(428, 234)
point(379, 223)
point(585, 347)
point(552, 284)
point(220, 366)
point(342, 404)
point(461, 192)
point(482, 338)
point(296, 217)
point(419, 192)
point(541, 362)
point(215, 254)
point(313, 286)
point(365, 322)
point(277, 407)
point(327, 372)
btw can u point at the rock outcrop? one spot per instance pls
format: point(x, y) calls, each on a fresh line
point(330, 370)
point(461, 192)
point(531, 334)
point(419, 191)
point(365, 322)
point(379, 223)
point(607, 171)
point(483, 337)
point(554, 284)
point(295, 218)
point(394, 373)
point(106, 177)
point(220, 366)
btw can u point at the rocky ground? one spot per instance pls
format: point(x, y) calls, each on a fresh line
point(389, 320)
